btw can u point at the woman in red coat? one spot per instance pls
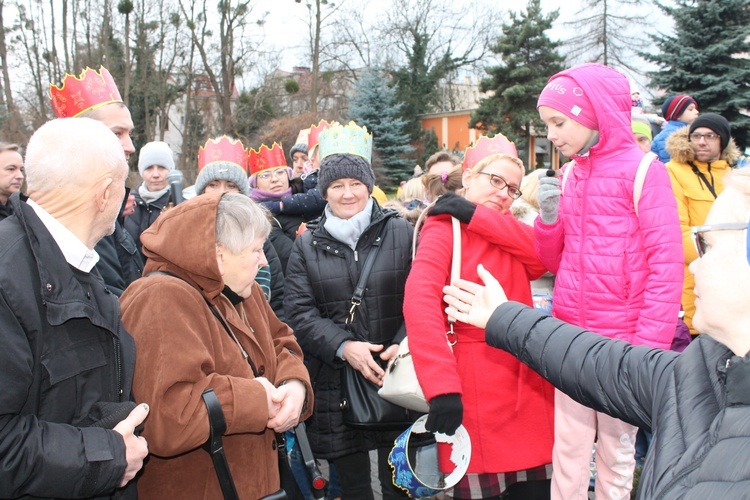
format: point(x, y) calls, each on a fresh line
point(506, 407)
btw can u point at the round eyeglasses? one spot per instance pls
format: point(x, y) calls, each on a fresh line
point(279, 172)
point(499, 183)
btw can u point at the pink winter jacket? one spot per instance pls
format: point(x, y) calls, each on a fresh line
point(618, 274)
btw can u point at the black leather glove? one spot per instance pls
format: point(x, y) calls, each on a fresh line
point(446, 414)
point(452, 204)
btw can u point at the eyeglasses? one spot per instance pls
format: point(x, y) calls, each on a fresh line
point(499, 183)
point(279, 172)
point(700, 243)
point(695, 137)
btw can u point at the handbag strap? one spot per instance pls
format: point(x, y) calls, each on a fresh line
point(222, 321)
point(217, 426)
point(359, 291)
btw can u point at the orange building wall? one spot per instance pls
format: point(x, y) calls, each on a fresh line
point(453, 132)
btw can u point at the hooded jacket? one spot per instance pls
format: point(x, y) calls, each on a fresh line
point(64, 354)
point(184, 350)
point(659, 144)
point(694, 199)
point(696, 402)
point(617, 273)
point(144, 215)
point(318, 290)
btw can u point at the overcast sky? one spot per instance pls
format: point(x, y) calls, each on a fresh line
point(286, 29)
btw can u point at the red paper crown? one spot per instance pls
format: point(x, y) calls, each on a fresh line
point(78, 94)
point(265, 158)
point(486, 147)
point(222, 149)
point(315, 130)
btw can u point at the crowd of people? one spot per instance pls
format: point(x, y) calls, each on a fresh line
point(555, 342)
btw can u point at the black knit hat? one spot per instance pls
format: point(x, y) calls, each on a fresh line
point(342, 166)
point(715, 122)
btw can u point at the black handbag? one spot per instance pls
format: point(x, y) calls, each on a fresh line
point(364, 409)
point(361, 405)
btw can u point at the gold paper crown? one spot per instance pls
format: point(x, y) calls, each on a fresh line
point(266, 158)
point(486, 147)
point(222, 149)
point(351, 140)
point(91, 90)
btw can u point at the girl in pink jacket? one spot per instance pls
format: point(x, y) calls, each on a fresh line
point(618, 267)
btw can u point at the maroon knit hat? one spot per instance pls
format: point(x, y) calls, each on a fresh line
point(674, 106)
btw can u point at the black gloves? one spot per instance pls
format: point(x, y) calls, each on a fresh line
point(446, 414)
point(452, 204)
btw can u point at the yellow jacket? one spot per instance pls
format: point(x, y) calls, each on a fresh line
point(694, 199)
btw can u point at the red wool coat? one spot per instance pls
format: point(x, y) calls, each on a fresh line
point(508, 408)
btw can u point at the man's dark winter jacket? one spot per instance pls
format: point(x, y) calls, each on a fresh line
point(120, 262)
point(145, 214)
point(64, 353)
point(696, 403)
point(5, 210)
point(320, 282)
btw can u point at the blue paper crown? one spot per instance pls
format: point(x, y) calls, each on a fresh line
point(351, 139)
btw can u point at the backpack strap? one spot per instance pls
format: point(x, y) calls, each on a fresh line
point(565, 176)
point(640, 178)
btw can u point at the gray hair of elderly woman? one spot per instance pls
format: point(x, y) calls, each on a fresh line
point(239, 221)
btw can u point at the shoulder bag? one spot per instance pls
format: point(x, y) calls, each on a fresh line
point(360, 404)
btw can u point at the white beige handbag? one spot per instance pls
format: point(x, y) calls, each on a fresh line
point(400, 384)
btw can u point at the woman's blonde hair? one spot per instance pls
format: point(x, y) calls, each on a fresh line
point(529, 185)
point(412, 190)
point(493, 158)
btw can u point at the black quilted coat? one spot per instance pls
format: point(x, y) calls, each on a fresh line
point(320, 280)
point(696, 403)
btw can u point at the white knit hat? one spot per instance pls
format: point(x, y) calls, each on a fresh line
point(155, 153)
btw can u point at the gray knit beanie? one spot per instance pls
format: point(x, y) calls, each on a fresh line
point(155, 153)
point(343, 166)
point(297, 148)
point(221, 171)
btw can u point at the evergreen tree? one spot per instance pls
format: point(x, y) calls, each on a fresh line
point(706, 58)
point(529, 59)
point(374, 105)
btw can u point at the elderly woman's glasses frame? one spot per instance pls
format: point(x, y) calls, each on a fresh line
point(498, 182)
point(700, 243)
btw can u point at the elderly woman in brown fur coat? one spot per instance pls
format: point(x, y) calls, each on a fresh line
point(201, 322)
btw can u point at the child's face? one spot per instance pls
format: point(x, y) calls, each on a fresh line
point(689, 115)
point(568, 136)
point(644, 143)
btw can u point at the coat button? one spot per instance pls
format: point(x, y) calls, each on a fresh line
point(49, 287)
point(261, 370)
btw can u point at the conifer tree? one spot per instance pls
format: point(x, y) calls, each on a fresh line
point(707, 58)
point(529, 58)
point(374, 105)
